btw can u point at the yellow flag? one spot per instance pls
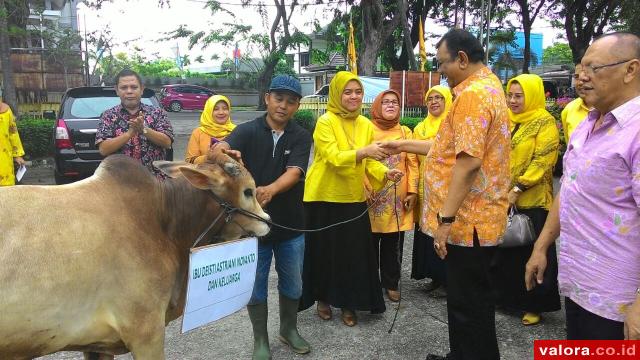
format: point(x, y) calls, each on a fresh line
point(423, 51)
point(351, 52)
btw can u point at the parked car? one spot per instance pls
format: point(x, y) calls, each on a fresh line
point(184, 97)
point(323, 92)
point(74, 133)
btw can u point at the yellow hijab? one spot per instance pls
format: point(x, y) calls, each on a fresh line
point(448, 100)
point(534, 104)
point(430, 125)
point(208, 125)
point(336, 87)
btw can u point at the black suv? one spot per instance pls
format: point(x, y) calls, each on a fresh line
point(74, 134)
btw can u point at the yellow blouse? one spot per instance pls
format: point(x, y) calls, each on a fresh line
point(10, 147)
point(334, 175)
point(534, 152)
point(383, 214)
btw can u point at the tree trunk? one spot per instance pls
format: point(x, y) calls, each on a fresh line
point(9, 89)
point(264, 80)
point(408, 44)
point(374, 34)
point(526, 25)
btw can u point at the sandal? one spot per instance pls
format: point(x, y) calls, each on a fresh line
point(324, 310)
point(349, 317)
point(530, 318)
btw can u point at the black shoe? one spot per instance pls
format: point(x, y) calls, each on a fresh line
point(432, 286)
point(436, 357)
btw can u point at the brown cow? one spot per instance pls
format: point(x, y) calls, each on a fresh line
point(101, 265)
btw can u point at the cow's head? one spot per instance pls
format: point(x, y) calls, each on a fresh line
point(230, 182)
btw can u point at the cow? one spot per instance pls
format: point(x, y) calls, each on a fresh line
point(100, 265)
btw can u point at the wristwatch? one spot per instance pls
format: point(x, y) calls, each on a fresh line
point(446, 219)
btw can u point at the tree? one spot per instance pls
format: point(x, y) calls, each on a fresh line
point(558, 53)
point(376, 29)
point(584, 20)
point(504, 63)
point(529, 11)
point(9, 91)
point(272, 46)
point(63, 49)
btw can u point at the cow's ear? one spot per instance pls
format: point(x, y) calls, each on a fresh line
point(200, 179)
point(171, 168)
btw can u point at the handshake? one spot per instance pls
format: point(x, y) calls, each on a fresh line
point(383, 149)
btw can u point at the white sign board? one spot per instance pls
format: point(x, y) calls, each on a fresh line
point(221, 281)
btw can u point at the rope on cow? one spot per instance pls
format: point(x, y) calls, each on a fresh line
point(365, 212)
point(229, 210)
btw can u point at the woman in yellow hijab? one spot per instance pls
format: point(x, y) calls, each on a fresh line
point(534, 151)
point(215, 125)
point(425, 263)
point(340, 265)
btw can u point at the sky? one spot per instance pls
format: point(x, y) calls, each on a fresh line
point(144, 22)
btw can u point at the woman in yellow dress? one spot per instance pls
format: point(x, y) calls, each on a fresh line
point(10, 146)
point(534, 152)
point(340, 267)
point(215, 125)
point(425, 263)
point(388, 231)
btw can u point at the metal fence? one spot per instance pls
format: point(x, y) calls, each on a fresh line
point(318, 106)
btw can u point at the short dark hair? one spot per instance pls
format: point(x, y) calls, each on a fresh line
point(127, 72)
point(627, 40)
point(462, 40)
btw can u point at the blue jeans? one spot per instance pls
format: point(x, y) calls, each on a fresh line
point(289, 256)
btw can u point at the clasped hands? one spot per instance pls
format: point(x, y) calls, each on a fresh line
point(136, 124)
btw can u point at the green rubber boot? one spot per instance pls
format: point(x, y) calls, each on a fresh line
point(258, 315)
point(288, 326)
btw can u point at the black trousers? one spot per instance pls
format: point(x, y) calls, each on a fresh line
point(471, 302)
point(585, 325)
point(389, 251)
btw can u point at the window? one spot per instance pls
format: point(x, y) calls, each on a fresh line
point(304, 59)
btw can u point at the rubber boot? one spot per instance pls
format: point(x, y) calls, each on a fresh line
point(288, 326)
point(258, 315)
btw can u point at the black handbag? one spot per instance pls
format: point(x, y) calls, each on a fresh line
point(519, 230)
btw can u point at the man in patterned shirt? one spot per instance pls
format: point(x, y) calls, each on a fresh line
point(465, 192)
point(132, 128)
point(596, 214)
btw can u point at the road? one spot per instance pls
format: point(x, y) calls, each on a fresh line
point(420, 328)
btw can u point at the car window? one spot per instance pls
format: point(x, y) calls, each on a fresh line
point(324, 91)
point(93, 107)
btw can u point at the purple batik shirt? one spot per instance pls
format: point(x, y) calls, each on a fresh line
point(599, 245)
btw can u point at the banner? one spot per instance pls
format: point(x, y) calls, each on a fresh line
point(220, 281)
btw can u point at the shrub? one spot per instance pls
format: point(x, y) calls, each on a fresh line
point(306, 119)
point(35, 135)
point(410, 122)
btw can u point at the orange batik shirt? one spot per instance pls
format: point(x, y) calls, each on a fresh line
point(478, 126)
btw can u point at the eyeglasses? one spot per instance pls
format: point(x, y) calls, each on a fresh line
point(434, 98)
point(390, 103)
point(592, 69)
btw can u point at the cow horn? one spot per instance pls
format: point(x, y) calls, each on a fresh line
point(232, 168)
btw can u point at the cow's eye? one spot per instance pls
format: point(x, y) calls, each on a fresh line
point(248, 193)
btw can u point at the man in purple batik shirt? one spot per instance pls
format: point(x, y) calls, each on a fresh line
point(597, 212)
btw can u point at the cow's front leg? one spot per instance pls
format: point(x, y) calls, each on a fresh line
point(97, 356)
point(146, 342)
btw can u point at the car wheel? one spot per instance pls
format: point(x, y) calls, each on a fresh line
point(175, 106)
